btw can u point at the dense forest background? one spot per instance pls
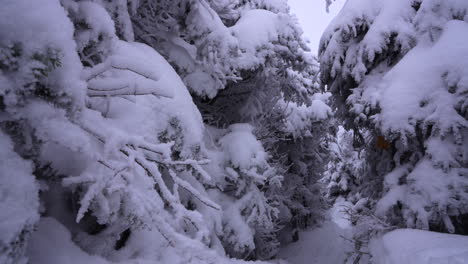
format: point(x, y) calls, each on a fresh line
point(206, 131)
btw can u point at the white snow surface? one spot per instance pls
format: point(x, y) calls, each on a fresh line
point(322, 245)
point(54, 31)
point(242, 149)
point(318, 246)
point(424, 68)
point(256, 28)
point(429, 68)
point(145, 71)
point(52, 244)
point(142, 116)
point(358, 12)
point(300, 117)
point(326, 244)
point(419, 247)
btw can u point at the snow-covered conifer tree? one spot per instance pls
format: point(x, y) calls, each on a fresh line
point(346, 167)
point(397, 71)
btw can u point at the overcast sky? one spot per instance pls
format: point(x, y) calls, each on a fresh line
point(314, 18)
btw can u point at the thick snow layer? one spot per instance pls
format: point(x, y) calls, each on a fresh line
point(22, 21)
point(256, 33)
point(256, 28)
point(142, 70)
point(410, 66)
point(349, 24)
point(243, 150)
point(419, 247)
point(424, 68)
point(181, 104)
point(431, 69)
point(326, 245)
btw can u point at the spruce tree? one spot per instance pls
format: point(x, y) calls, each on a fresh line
point(397, 75)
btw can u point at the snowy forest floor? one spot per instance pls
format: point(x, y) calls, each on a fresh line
point(328, 244)
point(325, 244)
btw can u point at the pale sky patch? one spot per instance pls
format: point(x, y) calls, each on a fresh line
point(314, 18)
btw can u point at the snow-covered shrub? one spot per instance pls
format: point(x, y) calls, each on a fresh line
point(397, 70)
point(419, 247)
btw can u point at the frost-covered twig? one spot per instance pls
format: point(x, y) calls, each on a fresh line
point(145, 163)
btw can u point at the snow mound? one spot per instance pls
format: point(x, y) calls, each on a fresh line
point(419, 247)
